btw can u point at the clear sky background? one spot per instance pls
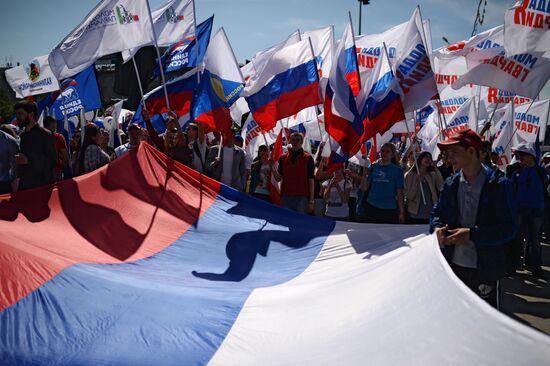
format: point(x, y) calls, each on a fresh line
point(30, 28)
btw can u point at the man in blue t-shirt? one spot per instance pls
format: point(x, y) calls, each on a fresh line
point(530, 182)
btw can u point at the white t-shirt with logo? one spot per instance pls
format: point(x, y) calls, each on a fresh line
point(335, 206)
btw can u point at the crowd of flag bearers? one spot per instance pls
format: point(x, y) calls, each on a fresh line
point(303, 127)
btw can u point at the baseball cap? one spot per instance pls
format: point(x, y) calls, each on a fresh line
point(546, 155)
point(524, 148)
point(467, 137)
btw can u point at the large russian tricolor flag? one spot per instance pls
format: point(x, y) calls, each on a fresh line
point(147, 262)
point(220, 86)
point(288, 83)
point(342, 120)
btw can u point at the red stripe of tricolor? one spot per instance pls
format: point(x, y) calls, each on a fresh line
point(87, 210)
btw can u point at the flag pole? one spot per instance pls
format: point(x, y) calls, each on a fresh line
point(82, 125)
point(354, 52)
point(478, 107)
point(221, 145)
point(196, 42)
point(424, 38)
point(139, 81)
point(317, 74)
point(158, 56)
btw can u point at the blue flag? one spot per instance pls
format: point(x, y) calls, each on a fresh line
point(183, 54)
point(80, 90)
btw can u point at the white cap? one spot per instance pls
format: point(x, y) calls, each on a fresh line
point(525, 148)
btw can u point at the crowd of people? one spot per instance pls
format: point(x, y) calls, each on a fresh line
point(488, 222)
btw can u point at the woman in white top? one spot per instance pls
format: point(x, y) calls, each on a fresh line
point(335, 192)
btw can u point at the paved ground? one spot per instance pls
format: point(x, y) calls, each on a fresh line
point(526, 298)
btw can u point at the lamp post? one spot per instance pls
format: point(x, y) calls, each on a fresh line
point(361, 3)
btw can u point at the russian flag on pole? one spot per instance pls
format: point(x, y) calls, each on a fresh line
point(180, 93)
point(274, 186)
point(288, 83)
point(380, 104)
point(342, 120)
point(220, 86)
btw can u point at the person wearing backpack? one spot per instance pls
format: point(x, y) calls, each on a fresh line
point(475, 218)
point(530, 182)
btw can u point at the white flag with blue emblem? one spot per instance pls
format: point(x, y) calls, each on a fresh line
point(33, 78)
point(112, 26)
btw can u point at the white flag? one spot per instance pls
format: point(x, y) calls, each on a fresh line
point(173, 22)
point(465, 117)
point(371, 46)
point(448, 69)
point(59, 66)
point(526, 28)
point(531, 122)
point(479, 47)
point(429, 133)
point(112, 26)
point(305, 115)
point(36, 77)
point(322, 41)
point(413, 68)
point(255, 67)
point(253, 138)
point(504, 132)
point(523, 74)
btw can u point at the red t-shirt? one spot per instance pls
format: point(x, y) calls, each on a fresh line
point(59, 145)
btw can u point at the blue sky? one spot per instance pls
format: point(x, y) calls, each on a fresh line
point(31, 28)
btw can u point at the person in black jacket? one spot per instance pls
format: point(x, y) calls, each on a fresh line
point(475, 217)
point(37, 157)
